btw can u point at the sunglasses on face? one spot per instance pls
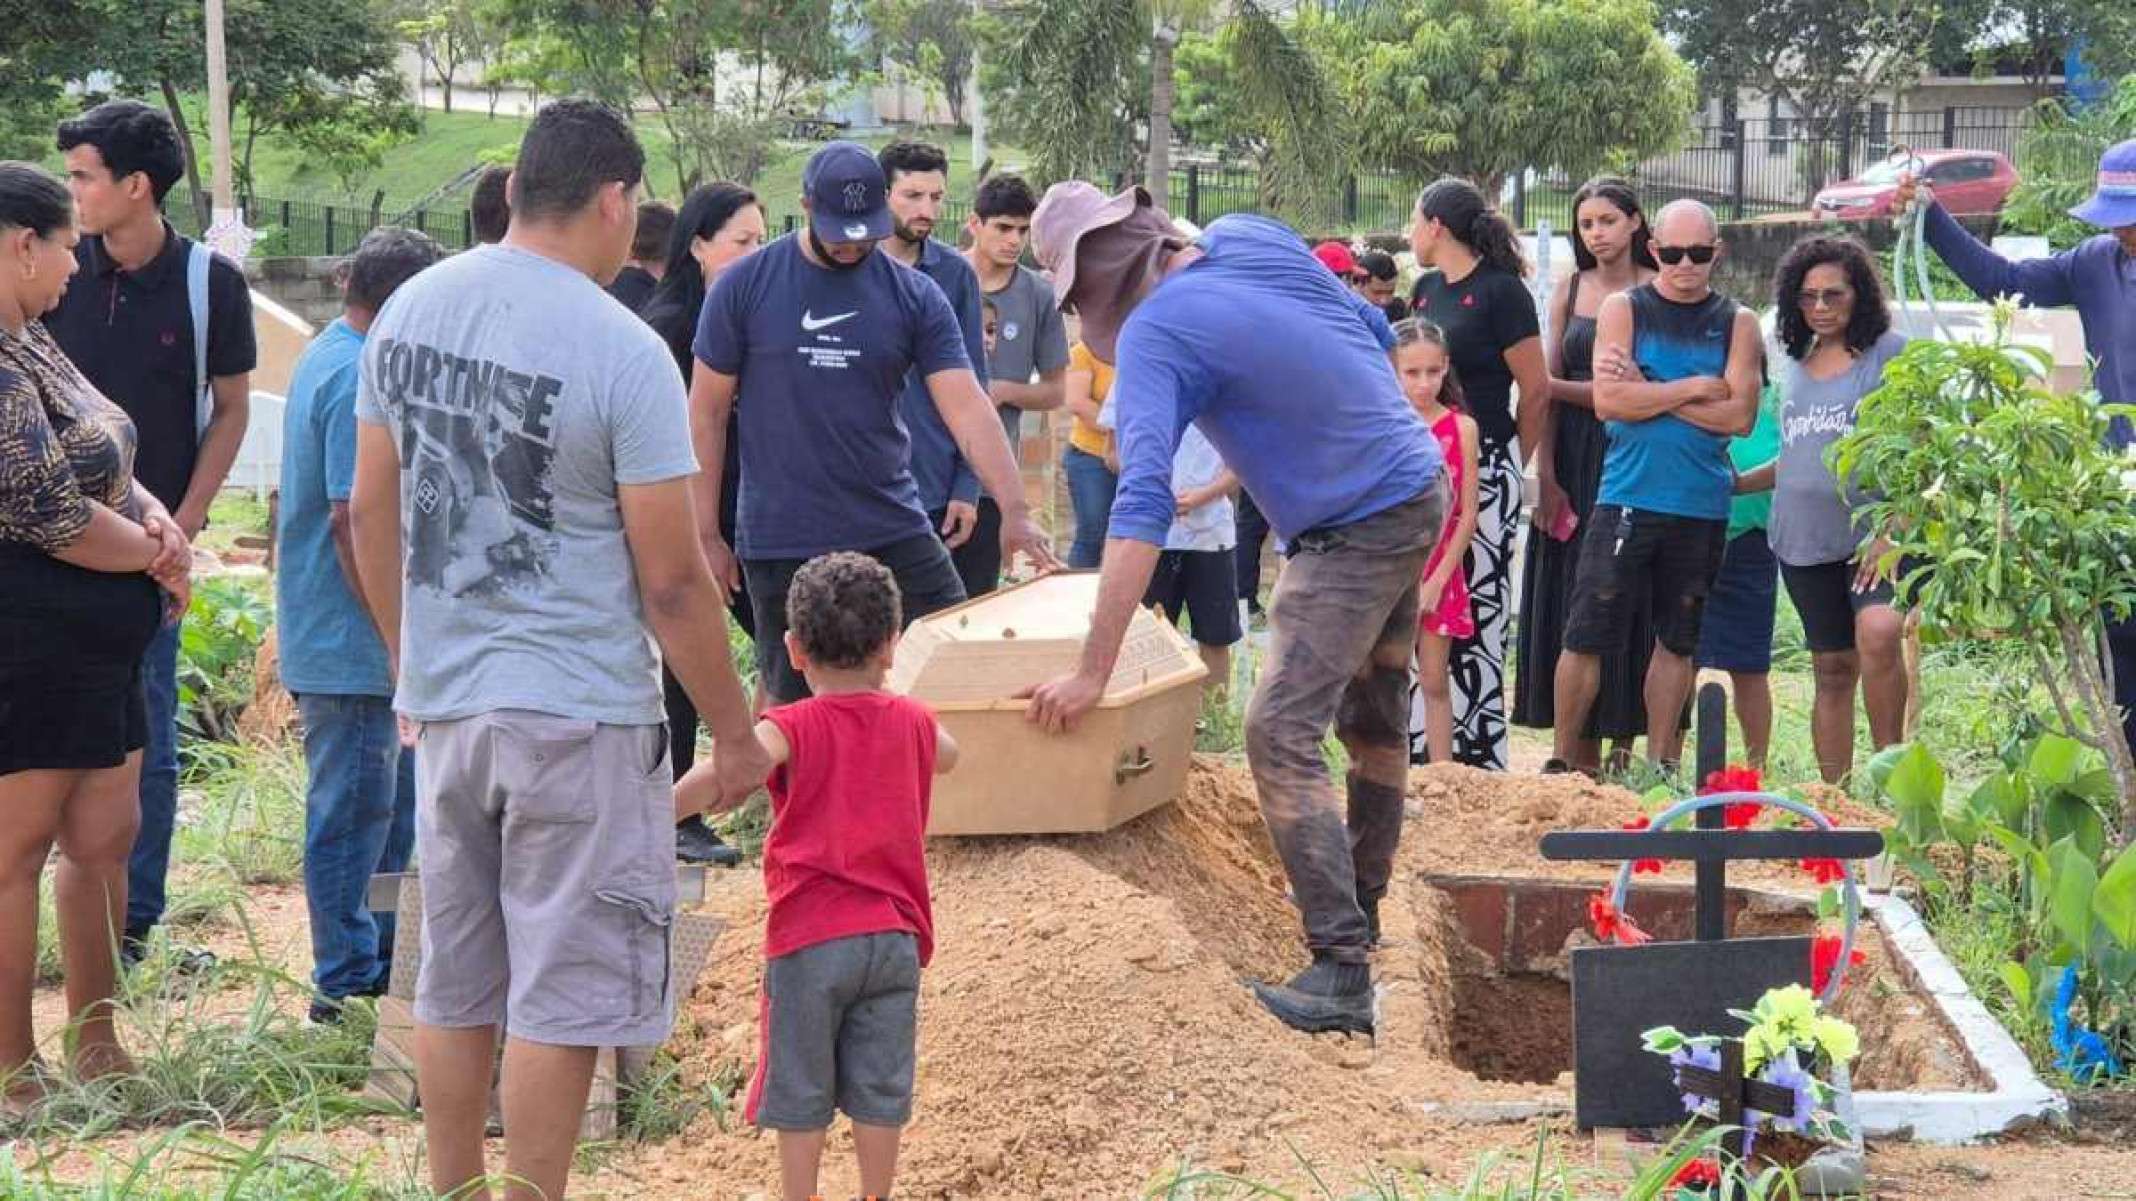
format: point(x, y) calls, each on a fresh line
point(1822, 298)
point(1672, 255)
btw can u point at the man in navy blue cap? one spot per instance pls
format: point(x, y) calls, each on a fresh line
point(2098, 276)
point(814, 334)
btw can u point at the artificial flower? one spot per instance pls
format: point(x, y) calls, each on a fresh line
point(1789, 1009)
point(1825, 871)
point(1733, 778)
point(1643, 867)
point(1762, 1044)
point(1824, 957)
point(1696, 1057)
point(1612, 926)
point(1785, 1072)
point(1696, 1173)
point(1836, 1040)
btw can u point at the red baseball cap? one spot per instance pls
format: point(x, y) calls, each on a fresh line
point(1336, 257)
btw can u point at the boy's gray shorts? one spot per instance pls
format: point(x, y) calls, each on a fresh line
point(839, 1022)
point(548, 870)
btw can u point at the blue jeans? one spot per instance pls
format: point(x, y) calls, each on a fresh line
point(151, 860)
point(1091, 485)
point(359, 819)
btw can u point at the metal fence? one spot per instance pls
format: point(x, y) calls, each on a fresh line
point(291, 227)
point(1743, 168)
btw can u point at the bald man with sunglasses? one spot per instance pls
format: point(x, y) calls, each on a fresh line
point(1676, 376)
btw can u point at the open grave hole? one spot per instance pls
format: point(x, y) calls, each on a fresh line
point(1507, 943)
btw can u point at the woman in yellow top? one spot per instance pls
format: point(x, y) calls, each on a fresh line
point(1088, 459)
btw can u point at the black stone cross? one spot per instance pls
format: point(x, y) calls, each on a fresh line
point(1619, 991)
point(1734, 1094)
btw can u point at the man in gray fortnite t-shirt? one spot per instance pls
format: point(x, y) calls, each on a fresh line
point(528, 440)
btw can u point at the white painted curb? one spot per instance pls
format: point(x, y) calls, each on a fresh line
point(2017, 1096)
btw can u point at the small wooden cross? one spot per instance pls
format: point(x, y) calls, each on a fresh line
point(1734, 1094)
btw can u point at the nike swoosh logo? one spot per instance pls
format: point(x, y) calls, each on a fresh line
point(812, 323)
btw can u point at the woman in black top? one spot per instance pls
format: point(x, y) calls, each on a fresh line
point(1610, 255)
point(83, 549)
point(1474, 292)
point(718, 226)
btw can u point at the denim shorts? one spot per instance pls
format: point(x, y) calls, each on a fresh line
point(1737, 633)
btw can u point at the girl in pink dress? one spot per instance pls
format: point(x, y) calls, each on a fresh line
point(1426, 371)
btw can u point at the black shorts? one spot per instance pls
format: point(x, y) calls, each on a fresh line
point(1825, 597)
point(926, 583)
point(1626, 554)
point(71, 648)
point(1203, 584)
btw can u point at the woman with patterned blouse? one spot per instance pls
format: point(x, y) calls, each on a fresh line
point(90, 563)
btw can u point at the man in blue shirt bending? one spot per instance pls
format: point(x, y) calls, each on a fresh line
point(1277, 362)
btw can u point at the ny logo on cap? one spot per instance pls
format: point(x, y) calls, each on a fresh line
point(856, 197)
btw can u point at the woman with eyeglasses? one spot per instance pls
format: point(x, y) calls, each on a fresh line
point(1835, 330)
point(1472, 288)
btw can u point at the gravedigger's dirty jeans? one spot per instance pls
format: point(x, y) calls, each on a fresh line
point(1343, 622)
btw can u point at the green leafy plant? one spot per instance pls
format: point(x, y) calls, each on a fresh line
point(2058, 164)
point(2045, 812)
point(2004, 496)
point(223, 628)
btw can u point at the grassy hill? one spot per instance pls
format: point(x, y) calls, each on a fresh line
point(452, 142)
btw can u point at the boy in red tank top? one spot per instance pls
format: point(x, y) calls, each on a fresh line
point(846, 876)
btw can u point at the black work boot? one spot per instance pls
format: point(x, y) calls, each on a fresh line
point(1326, 998)
point(696, 843)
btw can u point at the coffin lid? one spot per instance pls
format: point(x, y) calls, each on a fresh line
point(979, 654)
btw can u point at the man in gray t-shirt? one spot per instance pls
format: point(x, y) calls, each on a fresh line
point(527, 439)
point(1029, 360)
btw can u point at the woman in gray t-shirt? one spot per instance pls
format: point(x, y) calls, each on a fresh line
point(1835, 330)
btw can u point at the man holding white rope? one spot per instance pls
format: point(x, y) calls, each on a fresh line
point(2098, 277)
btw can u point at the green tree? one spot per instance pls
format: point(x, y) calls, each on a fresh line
point(673, 54)
point(41, 47)
point(446, 34)
point(1485, 88)
point(295, 67)
point(930, 39)
point(2009, 491)
point(1822, 57)
point(1293, 132)
point(2058, 164)
point(1067, 78)
point(2030, 38)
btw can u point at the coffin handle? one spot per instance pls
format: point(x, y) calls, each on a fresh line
point(1133, 763)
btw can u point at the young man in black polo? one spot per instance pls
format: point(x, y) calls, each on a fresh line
point(128, 323)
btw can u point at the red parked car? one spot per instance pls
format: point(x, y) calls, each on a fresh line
point(1965, 182)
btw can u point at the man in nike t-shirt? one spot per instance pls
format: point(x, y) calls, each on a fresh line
point(808, 341)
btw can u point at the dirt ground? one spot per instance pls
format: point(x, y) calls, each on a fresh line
point(1085, 1030)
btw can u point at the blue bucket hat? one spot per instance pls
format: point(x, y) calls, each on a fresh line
point(2113, 205)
